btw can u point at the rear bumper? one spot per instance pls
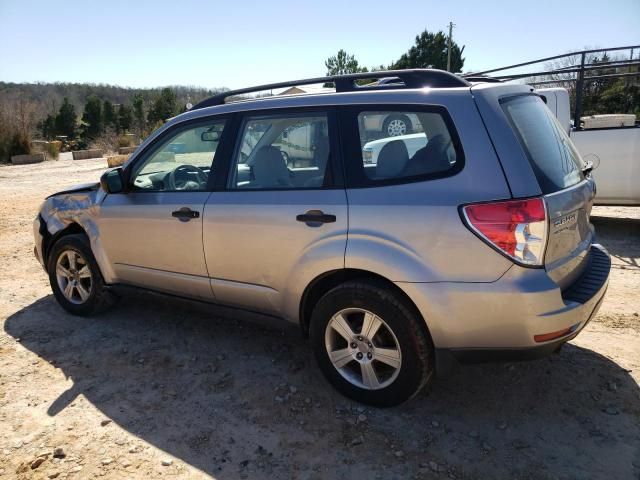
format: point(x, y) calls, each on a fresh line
point(500, 320)
point(445, 357)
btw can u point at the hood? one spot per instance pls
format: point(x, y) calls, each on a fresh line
point(83, 187)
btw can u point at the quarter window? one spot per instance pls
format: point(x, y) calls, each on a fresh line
point(183, 162)
point(404, 144)
point(282, 152)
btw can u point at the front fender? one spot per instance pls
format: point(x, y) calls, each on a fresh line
point(60, 211)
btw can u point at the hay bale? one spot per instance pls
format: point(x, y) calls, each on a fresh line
point(116, 160)
point(27, 159)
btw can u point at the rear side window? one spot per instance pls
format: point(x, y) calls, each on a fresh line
point(553, 157)
point(282, 152)
point(404, 145)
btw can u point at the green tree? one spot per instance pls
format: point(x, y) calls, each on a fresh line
point(47, 127)
point(92, 117)
point(163, 108)
point(138, 113)
point(342, 63)
point(125, 118)
point(609, 95)
point(621, 97)
point(109, 118)
point(430, 51)
point(65, 122)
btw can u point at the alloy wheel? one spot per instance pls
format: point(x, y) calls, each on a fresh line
point(396, 127)
point(74, 276)
point(363, 348)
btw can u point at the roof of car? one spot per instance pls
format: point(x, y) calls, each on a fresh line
point(410, 78)
point(416, 85)
point(391, 96)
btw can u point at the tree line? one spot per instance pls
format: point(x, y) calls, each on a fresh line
point(602, 95)
point(100, 116)
point(83, 115)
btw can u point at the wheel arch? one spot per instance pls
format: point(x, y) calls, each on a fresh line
point(49, 240)
point(328, 280)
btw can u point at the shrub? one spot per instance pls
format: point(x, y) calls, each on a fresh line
point(19, 145)
point(52, 149)
point(126, 141)
point(107, 142)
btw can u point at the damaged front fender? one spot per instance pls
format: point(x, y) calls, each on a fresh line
point(66, 211)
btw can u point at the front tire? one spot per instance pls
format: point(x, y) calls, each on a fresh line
point(370, 344)
point(75, 277)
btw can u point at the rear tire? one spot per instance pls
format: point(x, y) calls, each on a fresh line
point(75, 277)
point(399, 352)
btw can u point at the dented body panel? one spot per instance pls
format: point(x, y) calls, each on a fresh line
point(79, 205)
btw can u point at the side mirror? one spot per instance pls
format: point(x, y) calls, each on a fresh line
point(210, 136)
point(111, 181)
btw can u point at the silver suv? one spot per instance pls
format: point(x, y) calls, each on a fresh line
point(475, 245)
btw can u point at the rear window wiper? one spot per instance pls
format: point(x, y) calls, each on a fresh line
point(590, 165)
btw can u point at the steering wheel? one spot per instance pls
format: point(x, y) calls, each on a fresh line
point(179, 178)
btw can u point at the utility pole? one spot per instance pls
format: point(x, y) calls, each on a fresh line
point(449, 47)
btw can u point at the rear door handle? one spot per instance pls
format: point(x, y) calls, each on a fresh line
point(185, 214)
point(315, 216)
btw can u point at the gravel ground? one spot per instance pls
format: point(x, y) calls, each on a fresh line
point(161, 387)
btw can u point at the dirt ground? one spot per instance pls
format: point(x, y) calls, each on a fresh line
point(159, 387)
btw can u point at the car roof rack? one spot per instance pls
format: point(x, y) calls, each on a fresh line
point(481, 79)
point(413, 78)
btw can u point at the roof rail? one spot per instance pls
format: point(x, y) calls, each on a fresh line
point(414, 78)
point(481, 79)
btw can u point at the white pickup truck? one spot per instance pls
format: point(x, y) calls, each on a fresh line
point(616, 147)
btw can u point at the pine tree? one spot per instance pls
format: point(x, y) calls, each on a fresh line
point(109, 119)
point(65, 122)
point(430, 51)
point(125, 118)
point(92, 117)
point(138, 114)
point(164, 107)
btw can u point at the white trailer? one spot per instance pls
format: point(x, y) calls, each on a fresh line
point(616, 148)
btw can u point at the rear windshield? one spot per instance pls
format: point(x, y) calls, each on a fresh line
point(555, 161)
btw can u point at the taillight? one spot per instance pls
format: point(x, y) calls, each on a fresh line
point(516, 227)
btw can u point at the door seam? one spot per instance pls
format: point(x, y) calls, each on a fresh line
point(204, 255)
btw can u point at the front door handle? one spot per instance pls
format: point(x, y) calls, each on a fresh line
point(315, 217)
point(185, 214)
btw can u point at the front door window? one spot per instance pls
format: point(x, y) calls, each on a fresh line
point(183, 162)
